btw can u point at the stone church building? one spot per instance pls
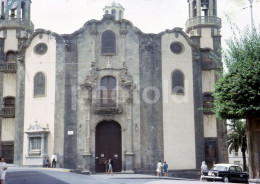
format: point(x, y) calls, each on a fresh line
point(108, 90)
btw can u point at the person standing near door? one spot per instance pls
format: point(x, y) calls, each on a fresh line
point(54, 160)
point(3, 168)
point(110, 167)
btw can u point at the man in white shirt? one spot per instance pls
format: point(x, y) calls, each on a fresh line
point(54, 160)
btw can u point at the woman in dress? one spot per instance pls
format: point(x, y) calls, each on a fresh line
point(159, 168)
point(3, 168)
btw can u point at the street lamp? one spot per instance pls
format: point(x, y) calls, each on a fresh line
point(251, 9)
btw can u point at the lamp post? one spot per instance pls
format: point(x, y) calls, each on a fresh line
point(251, 10)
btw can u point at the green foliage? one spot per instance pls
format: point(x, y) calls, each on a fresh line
point(237, 138)
point(237, 92)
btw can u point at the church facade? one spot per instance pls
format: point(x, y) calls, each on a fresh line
point(108, 90)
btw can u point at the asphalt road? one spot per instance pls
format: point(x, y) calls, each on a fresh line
point(18, 175)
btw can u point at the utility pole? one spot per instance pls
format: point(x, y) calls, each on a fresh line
point(251, 10)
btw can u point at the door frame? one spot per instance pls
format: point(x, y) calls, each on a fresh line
point(121, 135)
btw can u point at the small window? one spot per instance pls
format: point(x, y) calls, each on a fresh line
point(114, 13)
point(36, 143)
point(40, 48)
point(120, 14)
point(232, 169)
point(176, 47)
point(236, 154)
point(39, 84)
point(194, 5)
point(106, 12)
point(108, 42)
point(10, 57)
point(178, 82)
point(108, 91)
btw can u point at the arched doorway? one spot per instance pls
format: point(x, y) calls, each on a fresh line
point(108, 145)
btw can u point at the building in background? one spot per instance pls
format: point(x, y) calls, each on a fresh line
point(108, 90)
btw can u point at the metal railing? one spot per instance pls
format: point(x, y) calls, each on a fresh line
point(8, 112)
point(203, 21)
point(17, 22)
point(8, 67)
point(107, 106)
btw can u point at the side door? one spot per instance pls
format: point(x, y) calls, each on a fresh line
point(241, 176)
point(232, 173)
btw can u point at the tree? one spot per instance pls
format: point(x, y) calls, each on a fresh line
point(237, 139)
point(237, 92)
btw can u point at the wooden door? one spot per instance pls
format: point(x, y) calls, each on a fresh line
point(8, 153)
point(108, 145)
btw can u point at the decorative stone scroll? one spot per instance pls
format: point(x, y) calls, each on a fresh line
point(91, 80)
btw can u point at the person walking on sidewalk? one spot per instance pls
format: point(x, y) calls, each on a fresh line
point(110, 166)
point(159, 168)
point(165, 169)
point(3, 168)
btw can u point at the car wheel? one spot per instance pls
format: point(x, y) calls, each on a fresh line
point(225, 180)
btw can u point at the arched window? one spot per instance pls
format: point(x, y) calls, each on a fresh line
point(194, 6)
point(106, 11)
point(39, 84)
point(113, 12)
point(3, 9)
point(120, 14)
point(108, 91)
point(108, 43)
point(23, 9)
point(10, 56)
point(178, 82)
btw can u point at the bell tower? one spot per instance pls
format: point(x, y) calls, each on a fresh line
point(15, 29)
point(203, 27)
point(116, 9)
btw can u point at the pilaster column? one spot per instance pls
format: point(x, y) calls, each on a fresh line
point(123, 32)
point(210, 7)
point(93, 33)
point(198, 8)
point(42, 145)
point(87, 153)
point(129, 155)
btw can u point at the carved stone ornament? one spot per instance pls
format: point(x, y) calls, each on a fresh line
point(123, 31)
point(21, 57)
point(91, 79)
point(126, 80)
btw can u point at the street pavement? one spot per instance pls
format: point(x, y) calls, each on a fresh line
point(26, 175)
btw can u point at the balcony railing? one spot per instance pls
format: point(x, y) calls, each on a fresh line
point(107, 107)
point(11, 22)
point(8, 67)
point(8, 112)
point(203, 21)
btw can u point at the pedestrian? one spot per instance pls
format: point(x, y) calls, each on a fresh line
point(110, 166)
point(3, 168)
point(48, 163)
point(204, 167)
point(165, 169)
point(159, 168)
point(106, 166)
point(54, 160)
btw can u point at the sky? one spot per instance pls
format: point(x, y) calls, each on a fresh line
point(151, 16)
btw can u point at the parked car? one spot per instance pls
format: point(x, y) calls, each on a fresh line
point(226, 173)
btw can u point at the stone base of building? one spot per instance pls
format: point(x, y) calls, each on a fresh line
point(190, 174)
point(36, 161)
point(254, 180)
